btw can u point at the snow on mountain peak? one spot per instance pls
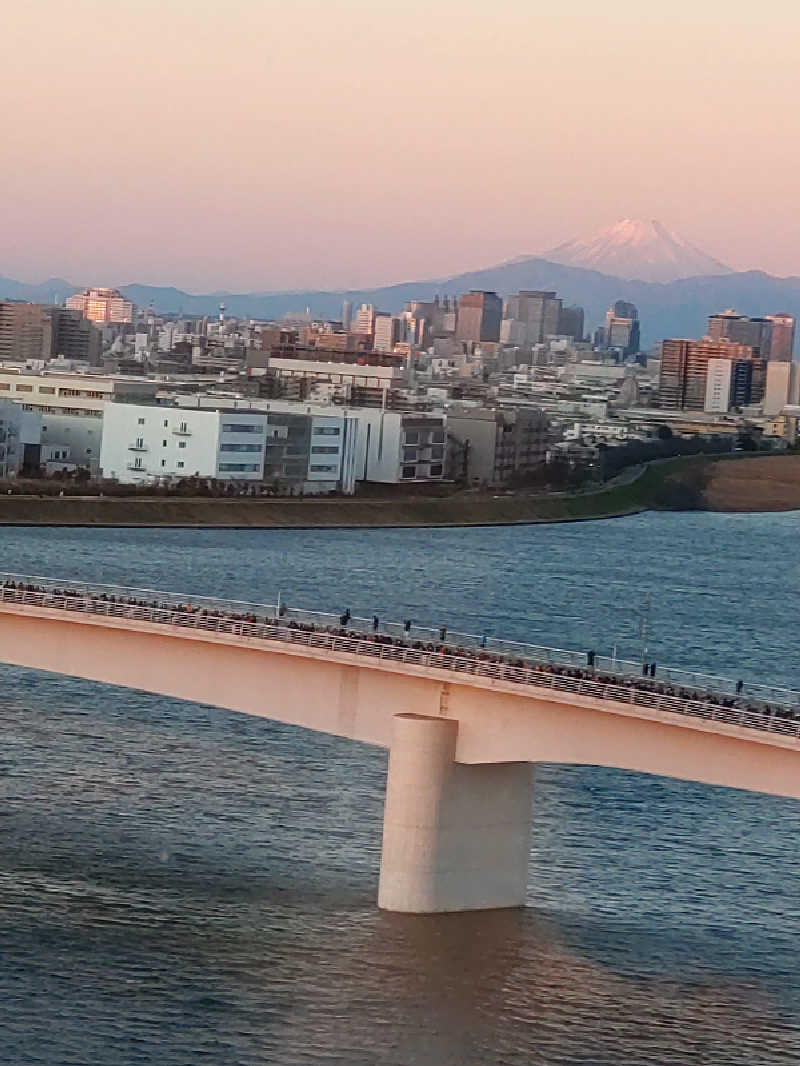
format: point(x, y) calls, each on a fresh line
point(638, 249)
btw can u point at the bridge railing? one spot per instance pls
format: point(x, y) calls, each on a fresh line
point(538, 655)
point(642, 693)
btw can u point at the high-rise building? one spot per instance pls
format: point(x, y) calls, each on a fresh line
point(102, 305)
point(365, 320)
point(387, 332)
point(684, 382)
point(781, 349)
point(347, 315)
point(40, 331)
point(622, 328)
point(539, 311)
point(783, 386)
point(570, 323)
point(479, 317)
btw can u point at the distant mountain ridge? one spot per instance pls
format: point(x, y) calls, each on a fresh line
point(671, 309)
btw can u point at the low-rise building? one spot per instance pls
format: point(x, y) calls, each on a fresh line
point(493, 446)
point(71, 406)
point(145, 443)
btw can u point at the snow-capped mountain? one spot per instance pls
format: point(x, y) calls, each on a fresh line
point(638, 250)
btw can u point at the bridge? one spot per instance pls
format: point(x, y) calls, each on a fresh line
point(465, 720)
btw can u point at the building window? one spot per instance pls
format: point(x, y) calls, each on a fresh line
point(239, 468)
point(327, 431)
point(318, 469)
point(47, 389)
point(166, 423)
point(181, 466)
point(23, 388)
point(409, 473)
point(163, 444)
point(240, 447)
point(320, 449)
point(163, 462)
point(241, 427)
point(5, 387)
point(436, 470)
point(412, 437)
point(140, 421)
point(181, 443)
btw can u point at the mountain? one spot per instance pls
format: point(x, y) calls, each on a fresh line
point(635, 249)
point(667, 309)
point(54, 290)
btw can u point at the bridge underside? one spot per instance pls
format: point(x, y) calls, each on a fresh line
point(459, 792)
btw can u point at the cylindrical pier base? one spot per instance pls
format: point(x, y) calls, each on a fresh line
point(456, 837)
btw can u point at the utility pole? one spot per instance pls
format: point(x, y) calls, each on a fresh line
point(644, 626)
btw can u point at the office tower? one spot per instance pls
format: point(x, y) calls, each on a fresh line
point(347, 315)
point(365, 320)
point(570, 323)
point(622, 328)
point(102, 305)
point(40, 331)
point(685, 368)
point(781, 349)
point(387, 332)
point(539, 311)
point(479, 317)
point(782, 387)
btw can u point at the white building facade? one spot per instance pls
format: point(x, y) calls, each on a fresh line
point(144, 443)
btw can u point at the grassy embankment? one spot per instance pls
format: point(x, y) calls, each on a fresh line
point(752, 484)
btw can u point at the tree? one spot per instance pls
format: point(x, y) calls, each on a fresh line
point(664, 432)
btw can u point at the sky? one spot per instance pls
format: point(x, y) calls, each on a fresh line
point(266, 144)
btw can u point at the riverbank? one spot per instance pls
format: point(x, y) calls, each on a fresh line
point(757, 483)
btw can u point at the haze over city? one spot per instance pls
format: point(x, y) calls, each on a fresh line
point(255, 145)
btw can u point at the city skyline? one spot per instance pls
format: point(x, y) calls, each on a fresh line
point(266, 148)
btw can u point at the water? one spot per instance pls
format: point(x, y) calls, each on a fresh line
point(179, 884)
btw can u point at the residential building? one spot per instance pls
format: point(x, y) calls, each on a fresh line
point(479, 317)
point(683, 382)
point(149, 442)
point(102, 305)
point(494, 446)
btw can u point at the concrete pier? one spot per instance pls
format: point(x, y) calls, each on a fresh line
point(456, 837)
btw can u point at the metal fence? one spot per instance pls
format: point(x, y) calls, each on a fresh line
point(219, 616)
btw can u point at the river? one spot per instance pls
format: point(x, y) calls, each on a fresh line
point(180, 884)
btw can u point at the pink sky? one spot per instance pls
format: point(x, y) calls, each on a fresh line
point(253, 144)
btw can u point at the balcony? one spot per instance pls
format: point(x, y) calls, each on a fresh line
point(133, 466)
point(182, 431)
point(137, 447)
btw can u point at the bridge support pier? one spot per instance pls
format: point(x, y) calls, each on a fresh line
point(456, 836)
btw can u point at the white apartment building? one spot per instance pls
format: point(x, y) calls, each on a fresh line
point(146, 443)
point(71, 406)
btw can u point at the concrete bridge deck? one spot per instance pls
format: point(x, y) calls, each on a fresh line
point(464, 727)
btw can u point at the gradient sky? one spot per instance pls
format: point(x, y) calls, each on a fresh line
point(253, 144)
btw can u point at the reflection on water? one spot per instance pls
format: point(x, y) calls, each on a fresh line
point(183, 885)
